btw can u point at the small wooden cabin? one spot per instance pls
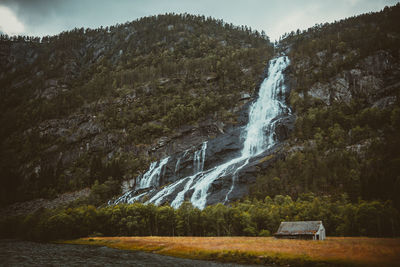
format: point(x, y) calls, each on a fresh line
point(313, 230)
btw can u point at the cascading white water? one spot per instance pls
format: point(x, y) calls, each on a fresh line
point(198, 166)
point(151, 177)
point(199, 158)
point(178, 162)
point(260, 131)
point(157, 198)
point(259, 135)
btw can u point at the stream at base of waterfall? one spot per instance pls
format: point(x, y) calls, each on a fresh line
point(258, 135)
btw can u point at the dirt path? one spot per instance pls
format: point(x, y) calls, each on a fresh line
point(24, 253)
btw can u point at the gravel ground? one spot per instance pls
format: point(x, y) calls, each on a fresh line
point(25, 253)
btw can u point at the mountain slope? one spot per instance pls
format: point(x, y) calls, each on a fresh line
point(345, 95)
point(89, 105)
point(111, 117)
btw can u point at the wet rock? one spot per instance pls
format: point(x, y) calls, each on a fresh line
point(284, 126)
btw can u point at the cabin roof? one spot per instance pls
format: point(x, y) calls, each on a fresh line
point(299, 228)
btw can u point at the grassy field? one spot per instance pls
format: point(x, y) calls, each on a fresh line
point(334, 251)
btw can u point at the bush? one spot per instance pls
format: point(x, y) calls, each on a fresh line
point(264, 233)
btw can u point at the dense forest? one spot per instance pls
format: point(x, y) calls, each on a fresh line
point(117, 90)
point(340, 164)
point(247, 218)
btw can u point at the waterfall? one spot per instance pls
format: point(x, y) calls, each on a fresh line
point(152, 176)
point(260, 132)
point(258, 136)
point(199, 158)
point(178, 162)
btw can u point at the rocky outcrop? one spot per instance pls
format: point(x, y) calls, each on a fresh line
point(220, 190)
point(321, 92)
point(373, 79)
point(69, 139)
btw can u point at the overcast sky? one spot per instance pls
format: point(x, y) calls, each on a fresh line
point(275, 17)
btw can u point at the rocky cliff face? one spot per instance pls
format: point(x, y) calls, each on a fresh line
point(373, 78)
point(173, 179)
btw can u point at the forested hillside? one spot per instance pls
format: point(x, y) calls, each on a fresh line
point(346, 98)
point(92, 104)
point(90, 108)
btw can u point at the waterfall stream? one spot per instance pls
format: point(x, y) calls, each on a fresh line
point(151, 177)
point(258, 136)
point(199, 158)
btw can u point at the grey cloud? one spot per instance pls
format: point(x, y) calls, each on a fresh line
point(42, 17)
point(28, 9)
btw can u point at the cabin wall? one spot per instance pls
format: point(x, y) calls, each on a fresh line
point(321, 233)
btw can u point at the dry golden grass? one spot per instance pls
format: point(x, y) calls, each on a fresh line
point(333, 251)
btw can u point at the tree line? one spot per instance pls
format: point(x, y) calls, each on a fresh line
point(246, 218)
